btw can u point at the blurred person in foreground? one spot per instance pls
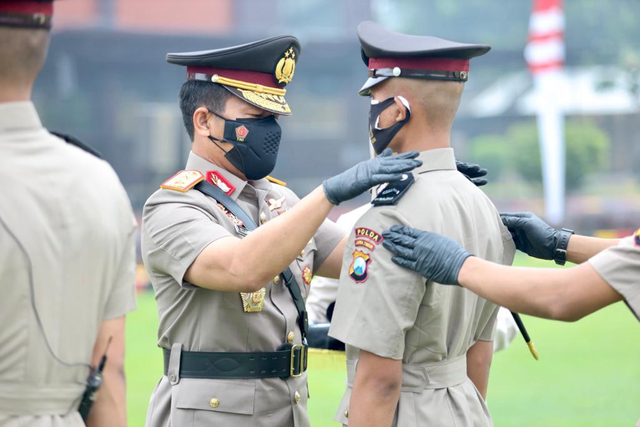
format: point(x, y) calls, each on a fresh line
point(67, 251)
point(422, 352)
point(608, 270)
point(230, 293)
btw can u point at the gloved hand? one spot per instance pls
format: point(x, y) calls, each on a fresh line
point(473, 172)
point(532, 235)
point(436, 257)
point(368, 174)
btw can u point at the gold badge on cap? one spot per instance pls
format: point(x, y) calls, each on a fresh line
point(252, 302)
point(286, 67)
point(183, 181)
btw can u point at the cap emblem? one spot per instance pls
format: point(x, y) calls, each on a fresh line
point(241, 133)
point(286, 67)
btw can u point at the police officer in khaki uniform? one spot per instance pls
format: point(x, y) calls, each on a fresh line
point(609, 269)
point(231, 251)
point(417, 354)
point(67, 251)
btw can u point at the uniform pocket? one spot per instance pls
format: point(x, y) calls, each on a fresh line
point(212, 401)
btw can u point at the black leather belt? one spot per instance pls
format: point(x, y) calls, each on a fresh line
point(289, 361)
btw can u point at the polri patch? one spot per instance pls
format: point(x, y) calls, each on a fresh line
point(393, 192)
point(359, 268)
point(183, 181)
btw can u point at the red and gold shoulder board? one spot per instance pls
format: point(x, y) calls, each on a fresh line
point(183, 181)
point(276, 181)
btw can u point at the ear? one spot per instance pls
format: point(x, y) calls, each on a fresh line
point(401, 112)
point(202, 123)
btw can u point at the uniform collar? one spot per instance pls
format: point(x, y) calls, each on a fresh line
point(18, 116)
point(195, 162)
point(436, 159)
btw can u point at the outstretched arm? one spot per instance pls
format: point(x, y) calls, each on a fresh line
point(567, 294)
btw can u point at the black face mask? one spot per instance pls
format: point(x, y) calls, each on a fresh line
point(255, 145)
point(381, 138)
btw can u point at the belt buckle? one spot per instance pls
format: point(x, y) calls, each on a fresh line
point(292, 370)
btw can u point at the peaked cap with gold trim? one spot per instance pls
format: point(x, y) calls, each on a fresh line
point(35, 14)
point(255, 72)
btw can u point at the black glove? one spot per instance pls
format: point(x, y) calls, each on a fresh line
point(473, 172)
point(368, 174)
point(436, 257)
point(532, 235)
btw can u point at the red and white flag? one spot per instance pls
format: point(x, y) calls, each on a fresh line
point(545, 47)
point(545, 54)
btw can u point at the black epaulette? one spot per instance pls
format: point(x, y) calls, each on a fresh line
point(393, 192)
point(75, 141)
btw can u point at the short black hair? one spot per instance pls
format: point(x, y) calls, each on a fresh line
point(195, 94)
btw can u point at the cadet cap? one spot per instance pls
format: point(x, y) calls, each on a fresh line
point(390, 54)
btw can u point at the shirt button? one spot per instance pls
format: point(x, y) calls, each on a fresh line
point(290, 337)
point(302, 254)
point(263, 217)
point(346, 413)
point(296, 397)
point(277, 280)
point(172, 378)
point(214, 403)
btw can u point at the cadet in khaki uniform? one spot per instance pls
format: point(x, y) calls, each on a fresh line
point(67, 251)
point(609, 269)
point(230, 296)
point(414, 349)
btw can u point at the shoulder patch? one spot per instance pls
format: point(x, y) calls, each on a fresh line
point(183, 181)
point(393, 192)
point(276, 181)
point(75, 141)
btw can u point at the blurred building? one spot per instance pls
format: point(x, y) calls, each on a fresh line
point(106, 81)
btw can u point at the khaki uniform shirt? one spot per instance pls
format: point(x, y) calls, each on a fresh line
point(391, 312)
point(69, 212)
point(176, 227)
point(619, 266)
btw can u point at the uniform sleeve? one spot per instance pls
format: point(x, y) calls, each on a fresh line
point(378, 301)
point(122, 299)
point(619, 266)
point(489, 331)
point(327, 238)
point(174, 233)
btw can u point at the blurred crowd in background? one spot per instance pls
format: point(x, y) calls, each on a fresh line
point(106, 82)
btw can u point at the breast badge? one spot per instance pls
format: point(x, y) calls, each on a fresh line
point(252, 302)
point(358, 270)
point(307, 275)
point(237, 222)
point(275, 204)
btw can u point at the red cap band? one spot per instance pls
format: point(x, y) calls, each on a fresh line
point(27, 7)
point(264, 79)
point(435, 64)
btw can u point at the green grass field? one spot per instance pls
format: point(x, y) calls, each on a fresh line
point(588, 373)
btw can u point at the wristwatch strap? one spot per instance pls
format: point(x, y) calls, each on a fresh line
point(560, 255)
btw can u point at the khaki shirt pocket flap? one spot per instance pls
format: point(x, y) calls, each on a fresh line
point(217, 395)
